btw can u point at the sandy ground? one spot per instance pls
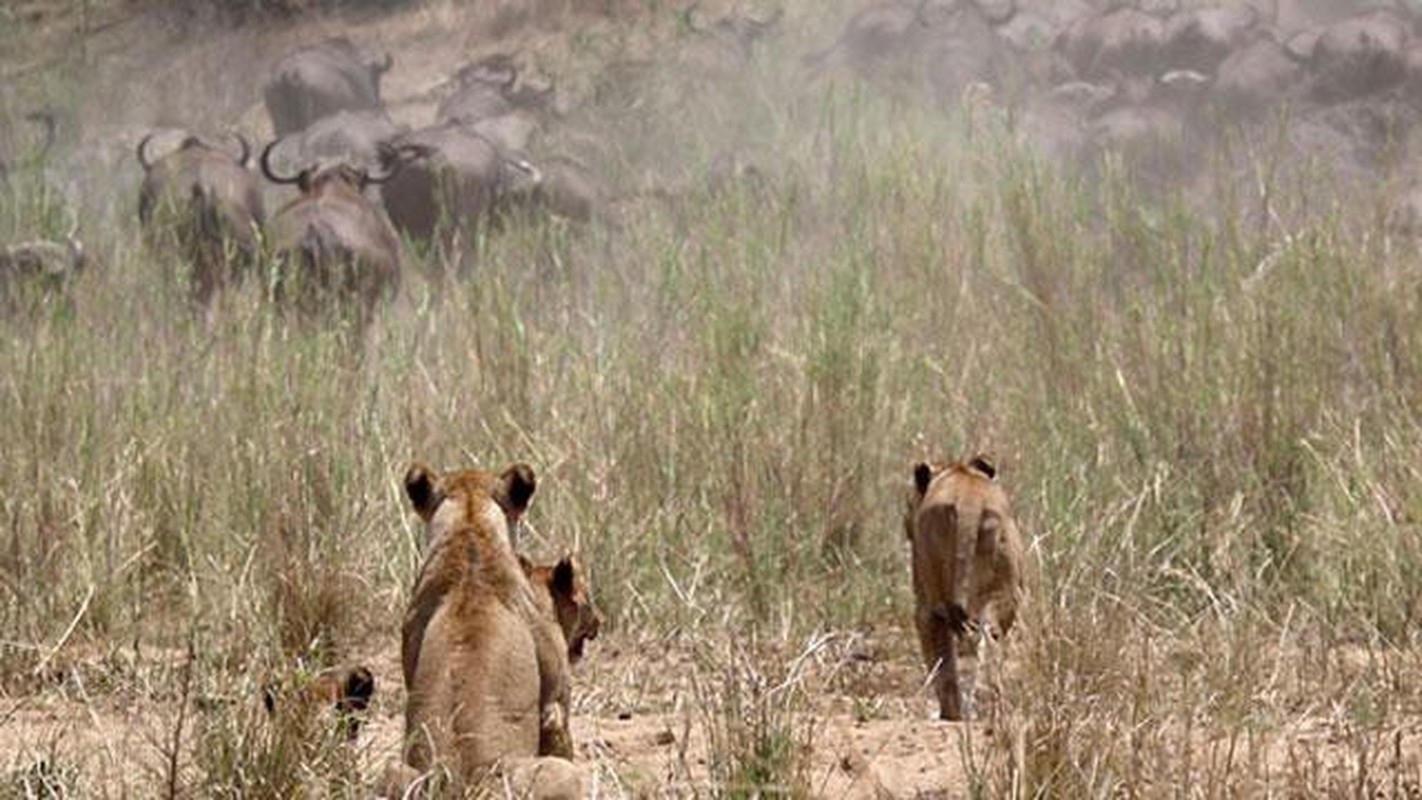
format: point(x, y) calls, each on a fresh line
point(110, 717)
point(104, 720)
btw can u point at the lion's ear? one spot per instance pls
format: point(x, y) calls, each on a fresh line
point(982, 463)
point(563, 577)
point(519, 484)
point(357, 689)
point(922, 476)
point(420, 487)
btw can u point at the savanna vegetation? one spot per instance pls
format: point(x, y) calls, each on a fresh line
point(1210, 427)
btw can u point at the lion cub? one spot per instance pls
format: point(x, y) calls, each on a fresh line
point(485, 666)
point(345, 690)
point(562, 594)
point(967, 564)
point(562, 590)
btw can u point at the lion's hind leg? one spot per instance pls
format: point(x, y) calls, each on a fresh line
point(980, 663)
point(938, 640)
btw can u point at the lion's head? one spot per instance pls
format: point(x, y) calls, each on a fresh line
point(345, 690)
point(458, 497)
point(567, 588)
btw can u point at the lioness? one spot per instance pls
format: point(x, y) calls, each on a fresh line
point(967, 559)
point(486, 669)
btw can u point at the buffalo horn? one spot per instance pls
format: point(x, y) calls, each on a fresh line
point(142, 147)
point(265, 161)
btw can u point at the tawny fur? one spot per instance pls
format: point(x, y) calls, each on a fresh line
point(486, 669)
point(967, 564)
point(561, 592)
point(345, 691)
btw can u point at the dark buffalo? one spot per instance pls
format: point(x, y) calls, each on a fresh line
point(319, 80)
point(208, 203)
point(359, 137)
point(511, 133)
point(1157, 130)
point(1360, 55)
point(963, 48)
point(873, 34)
point(450, 183)
point(1256, 78)
point(491, 88)
point(332, 242)
point(1199, 39)
point(1055, 122)
point(884, 40)
point(1149, 138)
point(559, 186)
point(1125, 41)
point(941, 47)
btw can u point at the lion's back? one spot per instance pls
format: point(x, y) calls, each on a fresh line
point(474, 677)
point(964, 501)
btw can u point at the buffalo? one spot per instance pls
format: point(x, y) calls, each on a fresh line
point(1199, 39)
point(208, 203)
point(491, 88)
point(320, 80)
point(938, 46)
point(355, 136)
point(560, 186)
point(451, 181)
point(1359, 55)
point(1055, 122)
point(1122, 42)
point(40, 265)
point(1256, 77)
point(878, 33)
point(332, 242)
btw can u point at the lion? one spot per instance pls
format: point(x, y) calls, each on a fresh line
point(485, 667)
point(967, 565)
point(562, 592)
point(347, 691)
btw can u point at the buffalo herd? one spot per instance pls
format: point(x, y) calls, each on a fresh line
point(1156, 84)
point(363, 180)
point(1330, 86)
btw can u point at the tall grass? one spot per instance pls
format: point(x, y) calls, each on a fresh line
point(1210, 432)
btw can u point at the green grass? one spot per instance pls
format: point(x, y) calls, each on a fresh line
point(1210, 431)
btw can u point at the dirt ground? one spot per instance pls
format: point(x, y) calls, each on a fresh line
point(639, 722)
point(643, 711)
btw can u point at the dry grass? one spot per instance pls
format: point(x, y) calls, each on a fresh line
point(1211, 434)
